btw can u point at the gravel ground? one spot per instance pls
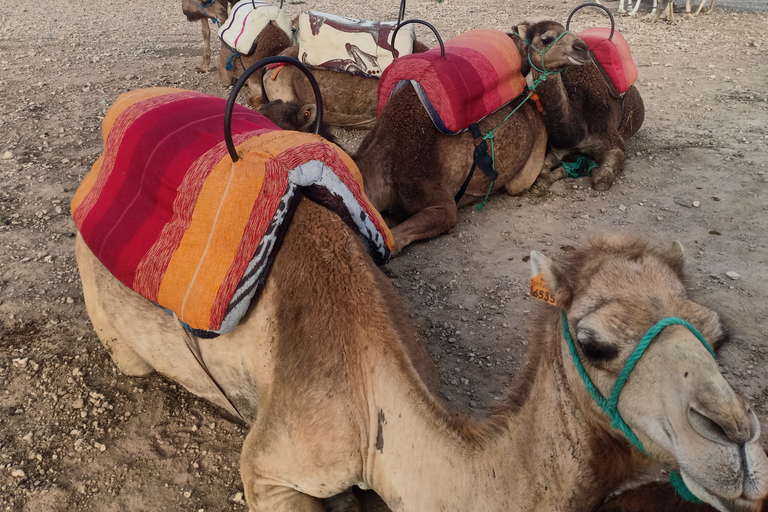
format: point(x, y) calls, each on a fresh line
point(76, 435)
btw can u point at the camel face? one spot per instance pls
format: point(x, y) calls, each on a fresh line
point(556, 47)
point(675, 400)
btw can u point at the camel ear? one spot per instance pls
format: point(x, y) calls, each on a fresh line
point(522, 30)
point(554, 276)
point(306, 117)
point(675, 257)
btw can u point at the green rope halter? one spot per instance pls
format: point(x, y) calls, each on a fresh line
point(611, 405)
point(543, 78)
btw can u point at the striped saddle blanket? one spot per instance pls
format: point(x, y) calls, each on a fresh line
point(172, 217)
point(613, 58)
point(479, 74)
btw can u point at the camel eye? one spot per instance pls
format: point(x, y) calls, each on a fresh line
point(595, 349)
point(547, 39)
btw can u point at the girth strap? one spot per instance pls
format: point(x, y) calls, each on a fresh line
point(481, 159)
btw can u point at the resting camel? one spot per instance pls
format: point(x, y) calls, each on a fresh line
point(212, 9)
point(327, 370)
point(349, 100)
point(583, 117)
point(271, 41)
point(413, 171)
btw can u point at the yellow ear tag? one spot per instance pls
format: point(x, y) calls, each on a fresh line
point(540, 291)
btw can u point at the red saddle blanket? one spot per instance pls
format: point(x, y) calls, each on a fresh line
point(479, 74)
point(613, 56)
point(172, 217)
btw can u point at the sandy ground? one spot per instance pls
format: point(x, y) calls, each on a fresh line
point(75, 434)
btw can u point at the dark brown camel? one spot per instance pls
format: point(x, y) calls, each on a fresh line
point(205, 10)
point(412, 171)
point(300, 118)
point(584, 118)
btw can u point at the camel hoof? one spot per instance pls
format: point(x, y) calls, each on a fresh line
point(602, 183)
point(201, 69)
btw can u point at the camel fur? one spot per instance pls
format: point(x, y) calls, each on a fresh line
point(327, 370)
point(414, 172)
point(300, 118)
point(350, 100)
point(583, 117)
point(218, 10)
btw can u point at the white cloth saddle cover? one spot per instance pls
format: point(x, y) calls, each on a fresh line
point(359, 47)
point(248, 19)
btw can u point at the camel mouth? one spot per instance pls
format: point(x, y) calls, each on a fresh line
point(577, 61)
point(737, 504)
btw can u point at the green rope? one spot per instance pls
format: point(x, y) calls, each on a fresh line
point(682, 490)
point(611, 405)
point(542, 78)
point(581, 167)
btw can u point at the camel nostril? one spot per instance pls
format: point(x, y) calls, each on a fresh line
point(724, 431)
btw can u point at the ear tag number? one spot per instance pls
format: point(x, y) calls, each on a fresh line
point(540, 291)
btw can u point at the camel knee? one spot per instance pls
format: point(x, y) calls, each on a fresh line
point(125, 358)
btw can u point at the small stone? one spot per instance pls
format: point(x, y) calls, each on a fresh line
point(18, 473)
point(27, 438)
point(7, 155)
point(77, 404)
point(237, 497)
point(187, 494)
point(659, 218)
point(622, 207)
point(733, 275)
point(70, 300)
point(696, 204)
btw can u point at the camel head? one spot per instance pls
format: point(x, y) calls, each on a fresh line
point(674, 401)
point(292, 116)
point(556, 47)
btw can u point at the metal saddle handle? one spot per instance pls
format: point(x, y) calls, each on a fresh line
point(592, 4)
point(421, 22)
point(251, 70)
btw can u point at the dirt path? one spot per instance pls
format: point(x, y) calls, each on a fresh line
point(76, 435)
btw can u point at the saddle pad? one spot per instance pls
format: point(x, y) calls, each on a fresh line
point(613, 56)
point(359, 47)
point(479, 74)
point(248, 19)
point(169, 215)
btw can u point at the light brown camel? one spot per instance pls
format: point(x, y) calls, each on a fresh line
point(414, 172)
point(271, 41)
point(325, 368)
point(206, 10)
point(583, 117)
point(349, 100)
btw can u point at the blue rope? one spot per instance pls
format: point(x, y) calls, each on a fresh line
point(213, 19)
point(611, 405)
point(682, 490)
point(229, 66)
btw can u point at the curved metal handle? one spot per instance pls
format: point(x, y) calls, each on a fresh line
point(400, 15)
point(251, 70)
point(422, 22)
point(591, 4)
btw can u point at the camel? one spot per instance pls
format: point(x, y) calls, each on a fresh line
point(300, 118)
point(350, 100)
point(670, 10)
point(215, 10)
point(583, 117)
point(271, 41)
point(413, 171)
point(633, 12)
point(327, 370)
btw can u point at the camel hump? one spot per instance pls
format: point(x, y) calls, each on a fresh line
point(480, 73)
point(613, 56)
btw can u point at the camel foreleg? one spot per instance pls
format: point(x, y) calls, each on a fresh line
point(551, 170)
point(427, 223)
point(206, 64)
point(610, 164)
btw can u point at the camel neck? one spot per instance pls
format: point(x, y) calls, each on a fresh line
point(535, 453)
point(563, 125)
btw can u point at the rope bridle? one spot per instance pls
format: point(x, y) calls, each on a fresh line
point(611, 405)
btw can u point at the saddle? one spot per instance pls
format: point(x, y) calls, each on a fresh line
point(170, 215)
point(479, 73)
point(249, 17)
point(349, 45)
point(612, 57)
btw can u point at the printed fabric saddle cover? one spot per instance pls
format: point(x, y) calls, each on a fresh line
point(172, 217)
point(479, 74)
point(350, 45)
point(248, 18)
point(613, 58)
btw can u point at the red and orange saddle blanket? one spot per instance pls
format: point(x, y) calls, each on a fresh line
point(613, 58)
point(479, 74)
point(172, 217)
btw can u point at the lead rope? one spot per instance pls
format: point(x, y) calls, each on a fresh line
point(213, 19)
point(611, 405)
point(542, 78)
